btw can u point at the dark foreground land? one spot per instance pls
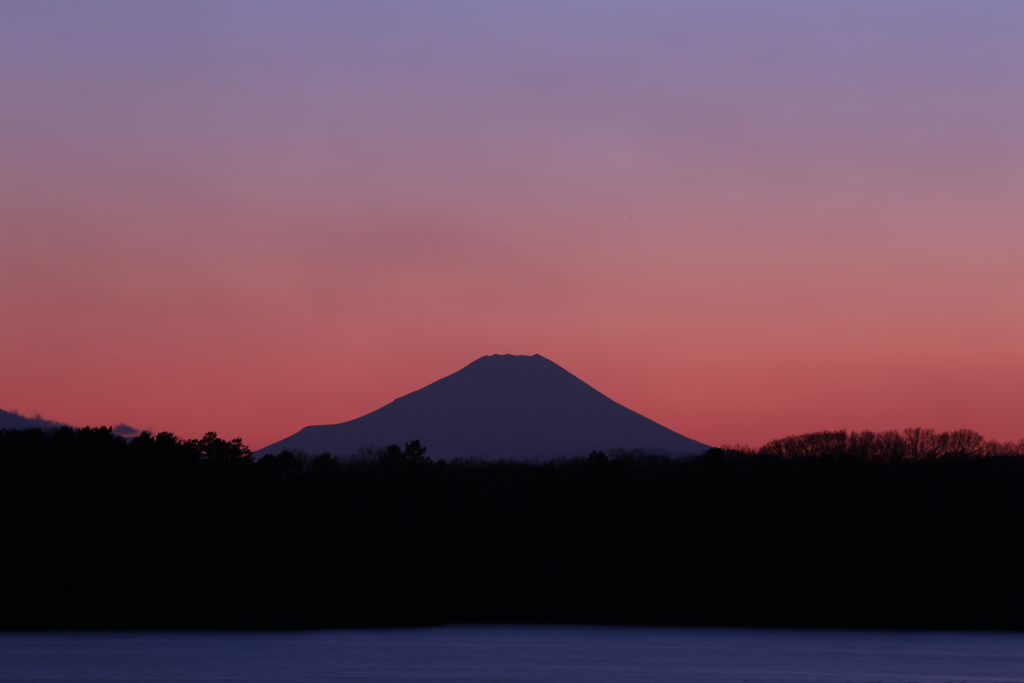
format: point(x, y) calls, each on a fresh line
point(911, 530)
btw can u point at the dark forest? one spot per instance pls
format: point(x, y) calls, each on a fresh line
point(915, 529)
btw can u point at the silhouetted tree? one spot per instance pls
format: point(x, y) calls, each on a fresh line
point(414, 454)
point(856, 529)
point(213, 448)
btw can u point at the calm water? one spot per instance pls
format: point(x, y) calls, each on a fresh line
point(511, 653)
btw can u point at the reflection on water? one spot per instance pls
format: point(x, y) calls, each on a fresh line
point(516, 653)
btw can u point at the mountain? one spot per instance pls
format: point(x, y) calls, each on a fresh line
point(499, 406)
point(15, 421)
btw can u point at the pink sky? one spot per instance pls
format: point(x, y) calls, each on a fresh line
point(742, 222)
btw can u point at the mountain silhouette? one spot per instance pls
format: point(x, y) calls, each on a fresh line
point(12, 420)
point(499, 406)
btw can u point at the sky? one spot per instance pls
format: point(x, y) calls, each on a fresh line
point(743, 220)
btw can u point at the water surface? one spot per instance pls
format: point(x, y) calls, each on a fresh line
point(516, 654)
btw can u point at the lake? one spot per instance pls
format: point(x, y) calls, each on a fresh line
point(517, 653)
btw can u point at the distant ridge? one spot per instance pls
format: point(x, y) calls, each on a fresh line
point(499, 406)
point(12, 420)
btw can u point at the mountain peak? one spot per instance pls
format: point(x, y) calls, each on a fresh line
point(498, 406)
point(511, 362)
point(509, 357)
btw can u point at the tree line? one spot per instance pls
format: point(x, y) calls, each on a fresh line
point(888, 446)
point(915, 529)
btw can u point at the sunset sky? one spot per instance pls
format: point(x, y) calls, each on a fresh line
point(743, 220)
